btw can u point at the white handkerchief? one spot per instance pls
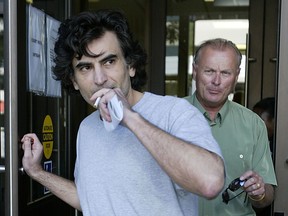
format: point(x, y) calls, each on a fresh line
point(115, 108)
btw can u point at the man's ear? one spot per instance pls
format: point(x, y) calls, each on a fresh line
point(237, 76)
point(76, 87)
point(132, 71)
point(194, 72)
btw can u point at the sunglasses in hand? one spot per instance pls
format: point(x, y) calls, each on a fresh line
point(233, 186)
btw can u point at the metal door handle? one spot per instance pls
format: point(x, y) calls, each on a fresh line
point(252, 59)
point(2, 169)
point(21, 170)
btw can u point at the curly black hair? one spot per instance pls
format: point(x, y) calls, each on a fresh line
point(77, 32)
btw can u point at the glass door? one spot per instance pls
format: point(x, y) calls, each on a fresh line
point(24, 112)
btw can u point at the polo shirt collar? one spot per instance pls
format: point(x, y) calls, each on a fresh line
point(223, 112)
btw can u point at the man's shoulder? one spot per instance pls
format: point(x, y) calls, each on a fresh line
point(240, 108)
point(243, 112)
point(89, 118)
point(166, 99)
point(190, 98)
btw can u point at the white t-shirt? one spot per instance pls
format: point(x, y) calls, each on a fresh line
point(116, 175)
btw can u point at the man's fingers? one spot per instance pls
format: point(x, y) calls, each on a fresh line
point(26, 146)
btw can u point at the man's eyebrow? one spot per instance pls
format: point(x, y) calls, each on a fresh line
point(82, 64)
point(209, 68)
point(108, 57)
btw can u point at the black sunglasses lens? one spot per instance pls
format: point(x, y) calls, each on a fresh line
point(235, 184)
point(225, 197)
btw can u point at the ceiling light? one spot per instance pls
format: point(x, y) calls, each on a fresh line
point(230, 24)
point(231, 3)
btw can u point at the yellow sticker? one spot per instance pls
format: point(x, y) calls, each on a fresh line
point(47, 140)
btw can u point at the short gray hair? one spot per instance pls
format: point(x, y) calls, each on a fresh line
point(218, 44)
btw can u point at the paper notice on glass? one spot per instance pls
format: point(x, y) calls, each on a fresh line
point(53, 87)
point(36, 50)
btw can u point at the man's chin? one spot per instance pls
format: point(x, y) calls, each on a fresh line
point(215, 101)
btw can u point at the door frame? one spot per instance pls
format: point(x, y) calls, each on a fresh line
point(11, 112)
point(280, 206)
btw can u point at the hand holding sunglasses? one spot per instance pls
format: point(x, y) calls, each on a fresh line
point(233, 186)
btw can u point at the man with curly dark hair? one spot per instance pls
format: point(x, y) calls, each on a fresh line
point(160, 156)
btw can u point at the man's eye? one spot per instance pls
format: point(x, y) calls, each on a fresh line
point(85, 68)
point(225, 73)
point(208, 71)
point(109, 62)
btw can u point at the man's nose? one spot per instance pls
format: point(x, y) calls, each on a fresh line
point(217, 79)
point(100, 76)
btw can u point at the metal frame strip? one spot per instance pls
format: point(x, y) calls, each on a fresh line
point(11, 114)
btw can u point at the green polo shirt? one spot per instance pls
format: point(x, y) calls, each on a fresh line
point(242, 137)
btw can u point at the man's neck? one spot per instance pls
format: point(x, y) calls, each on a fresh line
point(211, 109)
point(212, 113)
point(134, 96)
